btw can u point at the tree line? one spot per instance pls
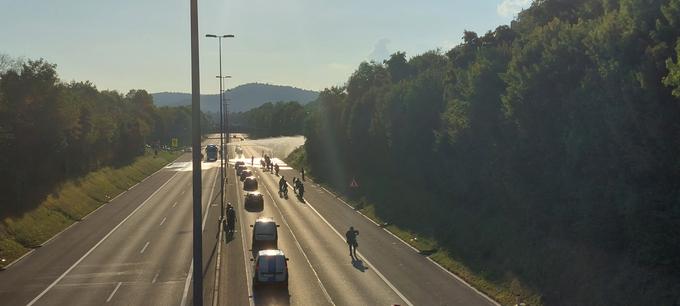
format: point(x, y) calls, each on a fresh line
point(271, 119)
point(52, 130)
point(546, 151)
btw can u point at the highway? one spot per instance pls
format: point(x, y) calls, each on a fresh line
point(311, 234)
point(135, 250)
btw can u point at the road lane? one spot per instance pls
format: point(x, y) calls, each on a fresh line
point(303, 287)
point(412, 274)
point(142, 261)
point(346, 282)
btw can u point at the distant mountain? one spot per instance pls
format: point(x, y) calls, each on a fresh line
point(241, 98)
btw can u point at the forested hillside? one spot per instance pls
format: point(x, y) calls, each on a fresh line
point(241, 98)
point(51, 130)
point(546, 152)
point(271, 119)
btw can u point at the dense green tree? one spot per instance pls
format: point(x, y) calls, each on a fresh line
point(50, 130)
point(547, 149)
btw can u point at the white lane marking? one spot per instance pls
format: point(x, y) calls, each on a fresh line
point(155, 278)
point(364, 257)
point(216, 286)
point(187, 282)
point(163, 221)
point(464, 282)
point(246, 257)
point(86, 216)
point(416, 250)
point(98, 243)
point(297, 243)
point(114, 292)
point(175, 204)
point(144, 248)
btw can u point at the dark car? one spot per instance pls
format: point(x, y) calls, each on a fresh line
point(250, 184)
point(239, 163)
point(246, 173)
point(254, 199)
point(265, 234)
point(239, 168)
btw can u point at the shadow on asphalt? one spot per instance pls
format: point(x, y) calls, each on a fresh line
point(271, 296)
point(359, 265)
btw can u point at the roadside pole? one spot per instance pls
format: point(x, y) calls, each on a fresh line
point(196, 158)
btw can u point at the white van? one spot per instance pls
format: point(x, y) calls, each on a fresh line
point(270, 267)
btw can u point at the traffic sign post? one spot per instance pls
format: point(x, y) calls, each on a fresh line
point(174, 142)
point(353, 183)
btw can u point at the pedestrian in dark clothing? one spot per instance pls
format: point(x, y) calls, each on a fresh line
point(351, 236)
point(302, 173)
point(231, 218)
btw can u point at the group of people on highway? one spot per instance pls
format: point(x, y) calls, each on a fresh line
point(299, 189)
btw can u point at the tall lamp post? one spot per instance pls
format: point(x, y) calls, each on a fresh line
point(219, 39)
point(197, 264)
point(223, 161)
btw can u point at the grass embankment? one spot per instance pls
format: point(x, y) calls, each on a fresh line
point(505, 291)
point(70, 202)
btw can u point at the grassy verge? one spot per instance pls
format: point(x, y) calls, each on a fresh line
point(505, 291)
point(70, 202)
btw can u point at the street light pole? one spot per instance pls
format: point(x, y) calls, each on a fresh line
point(222, 150)
point(197, 265)
point(223, 162)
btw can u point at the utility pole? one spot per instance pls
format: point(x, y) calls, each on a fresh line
point(222, 150)
point(196, 158)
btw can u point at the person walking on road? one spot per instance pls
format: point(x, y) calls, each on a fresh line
point(351, 236)
point(302, 173)
point(252, 160)
point(231, 218)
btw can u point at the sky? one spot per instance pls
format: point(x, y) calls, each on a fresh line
point(310, 44)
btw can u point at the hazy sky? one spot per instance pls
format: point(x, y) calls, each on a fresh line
point(312, 44)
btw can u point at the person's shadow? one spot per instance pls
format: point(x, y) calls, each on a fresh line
point(358, 264)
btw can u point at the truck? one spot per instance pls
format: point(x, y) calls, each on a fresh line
point(211, 153)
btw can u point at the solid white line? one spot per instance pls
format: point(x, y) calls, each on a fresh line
point(155, 278)
point(114, 292)
point(463, 281)
point(187, 282)
point(144, 248)
point(318, 279)
point(414, 249)
point(216, 286)
point(246, 257)
point(364, 257)
point(163, 221)
point(98, 243)
point(18, 259)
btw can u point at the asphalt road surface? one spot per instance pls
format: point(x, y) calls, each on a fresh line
point(311, 233)
point(135, 250)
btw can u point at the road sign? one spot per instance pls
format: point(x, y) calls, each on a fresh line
point(174, 142)
point(353, 184)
